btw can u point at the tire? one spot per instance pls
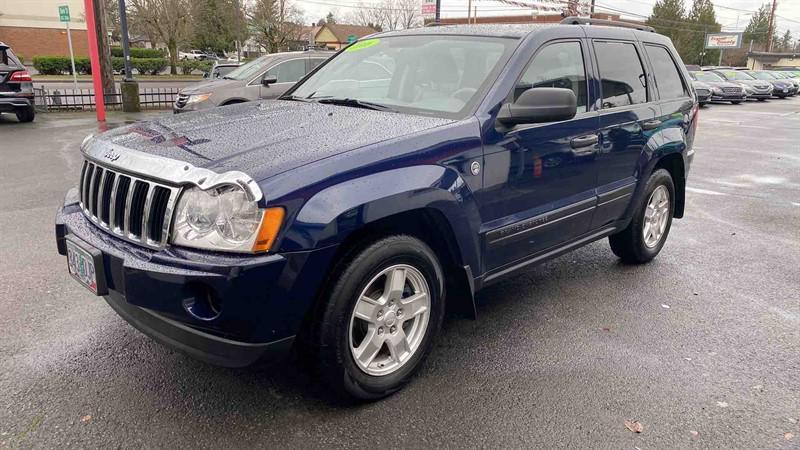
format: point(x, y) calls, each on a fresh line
point(735, 102)
point(630, 244)
point(26, 114)
point(339, 334)
point(761, 99)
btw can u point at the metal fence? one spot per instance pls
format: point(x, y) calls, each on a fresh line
point(83, 99)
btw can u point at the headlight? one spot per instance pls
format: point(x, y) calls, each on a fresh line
point(197, 98)
point(224, 219)
point(716, 90)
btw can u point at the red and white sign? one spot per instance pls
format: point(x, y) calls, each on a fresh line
point(724, 40)
point(428, 8)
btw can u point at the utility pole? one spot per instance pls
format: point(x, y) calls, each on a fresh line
point(438, 15)
point(129, 87)
point(106, 71)
point(771, 29)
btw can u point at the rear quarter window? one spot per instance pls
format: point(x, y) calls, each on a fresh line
point(668, 79)
point(622, 74)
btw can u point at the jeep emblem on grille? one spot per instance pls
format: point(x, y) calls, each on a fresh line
point(111, 155)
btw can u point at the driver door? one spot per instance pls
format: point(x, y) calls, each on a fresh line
point(540, 178)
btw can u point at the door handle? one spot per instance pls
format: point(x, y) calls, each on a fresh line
point(651, 124)
point(584, 141)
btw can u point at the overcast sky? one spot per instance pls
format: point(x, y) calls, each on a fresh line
point(729, 12)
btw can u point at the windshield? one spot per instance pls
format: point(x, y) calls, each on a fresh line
point(762, 75)
point(433, 75)
point(707, 76)
point(249, 70)
point(736, 75)
point(779, 75)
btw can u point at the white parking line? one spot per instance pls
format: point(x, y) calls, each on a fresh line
point(704, 191)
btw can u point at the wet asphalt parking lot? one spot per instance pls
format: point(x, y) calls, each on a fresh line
point(701, 346)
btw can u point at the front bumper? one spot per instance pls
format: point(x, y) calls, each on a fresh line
point(728, 97)
point(260, 306)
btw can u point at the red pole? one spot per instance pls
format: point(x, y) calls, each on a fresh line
point(94, 56)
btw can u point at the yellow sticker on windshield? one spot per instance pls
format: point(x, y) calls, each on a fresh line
point(361, 45)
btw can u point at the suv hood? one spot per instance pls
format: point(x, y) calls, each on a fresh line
point(265, 138)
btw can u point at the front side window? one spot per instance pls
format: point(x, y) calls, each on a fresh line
point(438, 75)
point(668, 80)
point(289, 71)
point(249, 70)
point(558, 65)
point(622, 74)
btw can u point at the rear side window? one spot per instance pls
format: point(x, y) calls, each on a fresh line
point(623, 79)
point(668, 80)
point(7, 58)
point(558, 65)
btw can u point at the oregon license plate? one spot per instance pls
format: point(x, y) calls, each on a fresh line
point(81, 266)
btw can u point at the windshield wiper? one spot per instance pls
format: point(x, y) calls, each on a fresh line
point(354, 103)
point(295, 98)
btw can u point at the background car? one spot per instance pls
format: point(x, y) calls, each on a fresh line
point(16, 86)
point(703, 92)
point(221, 70)
point(781, 88)
point(787, 76)
point(267, 77)
point(721, 90)
point(758, 89)
point(193, 54)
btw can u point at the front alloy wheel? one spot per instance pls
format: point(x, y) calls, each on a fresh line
point(389, 321)
point(379, 317)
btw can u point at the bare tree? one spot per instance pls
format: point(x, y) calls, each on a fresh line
point(274, 23)
point(387, 15)
point(165, 19)
point(409, 12)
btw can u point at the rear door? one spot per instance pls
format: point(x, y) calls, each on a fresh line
point(628, 117)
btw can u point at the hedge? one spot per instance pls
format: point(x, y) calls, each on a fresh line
point(189, 65)
point(56, 65)
point(139, 52)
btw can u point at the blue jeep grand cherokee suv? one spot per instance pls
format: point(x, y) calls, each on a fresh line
point(408, 171)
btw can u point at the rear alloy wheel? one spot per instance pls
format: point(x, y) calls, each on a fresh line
point(644, 237)
point(26, 114)
point(378, 320)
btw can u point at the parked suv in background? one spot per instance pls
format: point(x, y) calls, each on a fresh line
point(721, 90)
point(759, 89)
point(267, 77)
point(408, 172)
point(16, 86)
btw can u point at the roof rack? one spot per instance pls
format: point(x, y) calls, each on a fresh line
point(573, 20)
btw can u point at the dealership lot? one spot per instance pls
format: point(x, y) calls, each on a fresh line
point(701, 346)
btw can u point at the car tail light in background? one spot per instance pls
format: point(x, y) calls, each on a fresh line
point(22, 75)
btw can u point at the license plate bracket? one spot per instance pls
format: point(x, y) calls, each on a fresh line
point(85, 264)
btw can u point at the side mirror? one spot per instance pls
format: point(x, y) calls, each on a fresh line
point(537, 105)
point(269, 79)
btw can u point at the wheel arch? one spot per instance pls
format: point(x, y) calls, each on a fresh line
point(673, 163)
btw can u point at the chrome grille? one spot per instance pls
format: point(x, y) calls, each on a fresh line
point(130, 207)
point(761, 86)
point(732, 90)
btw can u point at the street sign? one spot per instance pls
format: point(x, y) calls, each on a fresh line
point(428, 8)
point(63, 13)
point(723, 40)
point(352, 38)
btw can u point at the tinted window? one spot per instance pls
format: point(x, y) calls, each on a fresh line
point(557, 65)
point(7, 58)
point(623, 79)
point(668, 80)
point(289, 71)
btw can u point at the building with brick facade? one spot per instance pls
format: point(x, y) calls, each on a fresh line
point(32, 28)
